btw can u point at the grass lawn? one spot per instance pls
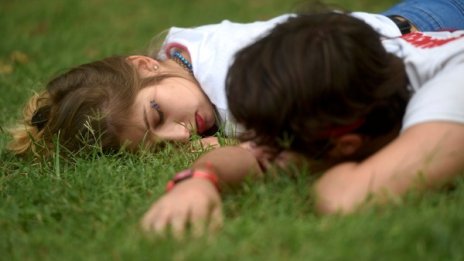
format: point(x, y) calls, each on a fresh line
point(90, 209)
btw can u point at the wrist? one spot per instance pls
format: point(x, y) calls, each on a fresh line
point(205, 174)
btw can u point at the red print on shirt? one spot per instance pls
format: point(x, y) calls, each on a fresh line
point(426, 41)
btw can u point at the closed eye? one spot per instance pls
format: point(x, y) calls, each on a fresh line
point(161, 117)
point(154, 105)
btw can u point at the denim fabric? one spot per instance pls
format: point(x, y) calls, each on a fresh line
point(431, 15)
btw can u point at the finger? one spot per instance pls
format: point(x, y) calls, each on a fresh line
point(160, 223)
point(282, 162)
point(210, 142)
point(178, 223)
point(196, 146)
point(198, 227)
point(147, 222)
point(264, 163)
point(216, 220)
point(286, 157)
point(249, 145)
point(198, 217)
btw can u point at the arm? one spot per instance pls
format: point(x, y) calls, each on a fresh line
point(426, 155)
point(196, 201)
point(232, 164)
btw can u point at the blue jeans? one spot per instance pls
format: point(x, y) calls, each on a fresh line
point(431, 15)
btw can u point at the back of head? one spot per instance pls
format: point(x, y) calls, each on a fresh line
point(314, 73)
point(82, 108)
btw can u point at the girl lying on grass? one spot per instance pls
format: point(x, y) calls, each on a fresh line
point(383, 115)
point(174, 93)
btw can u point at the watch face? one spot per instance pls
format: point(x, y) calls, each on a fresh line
point(185, 174)
point(405, 27)
point(402, 24)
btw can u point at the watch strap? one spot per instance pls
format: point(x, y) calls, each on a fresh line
point(189, 173)
point(402, 24)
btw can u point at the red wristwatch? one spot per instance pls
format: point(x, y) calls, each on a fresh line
point(189, 173)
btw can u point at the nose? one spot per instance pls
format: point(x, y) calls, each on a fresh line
point(173, 132)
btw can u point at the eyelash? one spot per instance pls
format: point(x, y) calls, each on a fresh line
point(154, 105)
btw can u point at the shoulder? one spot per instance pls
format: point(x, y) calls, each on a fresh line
point(438, 94)
point(381, 23)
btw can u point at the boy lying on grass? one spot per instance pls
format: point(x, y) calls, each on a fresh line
point(381, 115)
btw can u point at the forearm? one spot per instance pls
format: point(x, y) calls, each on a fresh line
point(232, 164)
point(427, 155)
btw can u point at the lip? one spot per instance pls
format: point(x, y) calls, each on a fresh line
point(201, 123)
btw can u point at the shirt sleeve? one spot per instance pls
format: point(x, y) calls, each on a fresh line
point(382, 24)
point(441, 98)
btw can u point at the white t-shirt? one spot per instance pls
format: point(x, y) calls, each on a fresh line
point(435, 68)
point(212, 49)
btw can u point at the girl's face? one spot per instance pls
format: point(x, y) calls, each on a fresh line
point(172, 109)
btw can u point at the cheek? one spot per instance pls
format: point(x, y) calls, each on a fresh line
point(180, 95)
point(131, 137)
point(173, 131)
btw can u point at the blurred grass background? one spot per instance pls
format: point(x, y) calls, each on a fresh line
point(90, 210)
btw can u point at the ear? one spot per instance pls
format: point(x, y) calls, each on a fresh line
point(346, 145)
point(146, 66)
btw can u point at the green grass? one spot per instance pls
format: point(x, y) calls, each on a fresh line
point(90, 209)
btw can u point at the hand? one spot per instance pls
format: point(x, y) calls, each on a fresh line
point(340, 189)
point(203, 144)
point(268, 156)
point(195, 202)
point(210, 142)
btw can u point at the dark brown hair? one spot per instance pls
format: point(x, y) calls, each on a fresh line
point(314, 74)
